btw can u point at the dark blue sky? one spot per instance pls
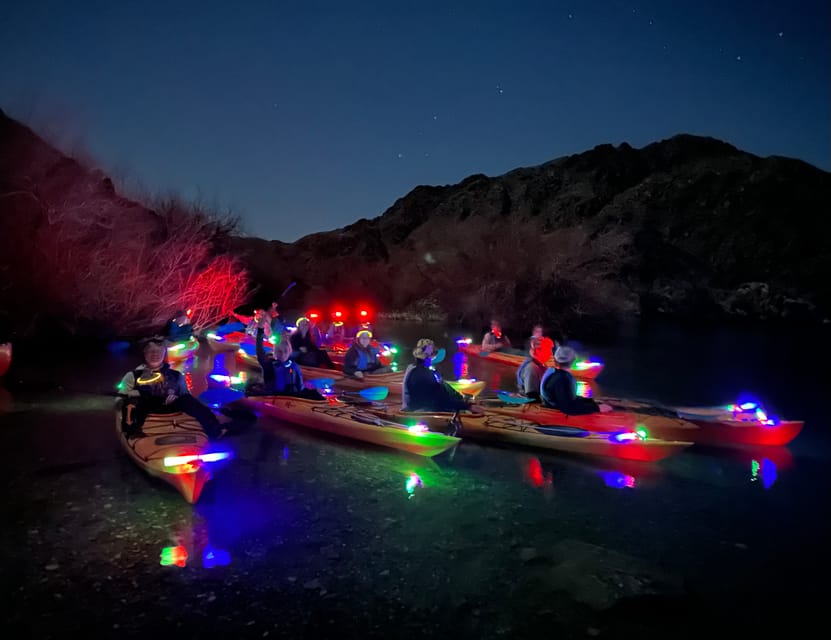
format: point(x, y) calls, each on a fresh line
point(305, 116)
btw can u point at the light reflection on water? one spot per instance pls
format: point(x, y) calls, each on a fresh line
point(315, 505)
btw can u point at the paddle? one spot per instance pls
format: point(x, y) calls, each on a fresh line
point(509, 398)
point(287, 289)
point(373, 394)
point(440, 355)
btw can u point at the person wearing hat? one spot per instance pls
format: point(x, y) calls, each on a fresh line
point(154, 387)
point(558, 389)
point(304, 350)
point(530, 372)
point(423, 388)
point(362, 357)
point(281, 375)
point(495, 340)
point(180, 327)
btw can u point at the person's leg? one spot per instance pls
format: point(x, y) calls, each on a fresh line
point(191, 406)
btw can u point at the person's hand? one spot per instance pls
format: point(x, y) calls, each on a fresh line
point(261, 322)
point(359, 375)
point(606, 408)
point(476, 409)
point(171, 398)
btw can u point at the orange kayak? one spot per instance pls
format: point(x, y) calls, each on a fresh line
point(174, 448)
point(516, 430)
point(5, 357)
point(353, 422)
point(582, 369)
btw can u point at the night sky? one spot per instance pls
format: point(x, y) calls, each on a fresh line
point(305, 116)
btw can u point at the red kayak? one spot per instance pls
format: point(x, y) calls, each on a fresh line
point(714, 426)
point(5, 357)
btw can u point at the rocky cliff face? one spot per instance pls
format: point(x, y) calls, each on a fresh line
point(689, 226)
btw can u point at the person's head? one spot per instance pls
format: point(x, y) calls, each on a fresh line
point(424, 349)
point(154, 352)
point(282, 351)
point(536, 332)
point(303, 326)
point(181, 318)
point(564, 357)
point(496, 328)
point(364, 338)
point(540, 349)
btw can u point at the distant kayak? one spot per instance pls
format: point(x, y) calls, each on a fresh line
point(353, 422)
point(182, 349)
point(174, 448)
point(5, 357)
point(582, 369)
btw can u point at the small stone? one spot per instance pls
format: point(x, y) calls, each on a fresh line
point(312, 584)
point(593, 632)
point(740, 545)
point(385, 572)
point(52, 567)
point(528, 553)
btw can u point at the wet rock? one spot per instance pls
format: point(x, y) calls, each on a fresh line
point(599, 577)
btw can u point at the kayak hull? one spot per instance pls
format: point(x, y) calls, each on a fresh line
point(583, 371)
point(183, 349)
point(5, 357)
point(515, 430)
point(352, 422)
point(714, 426)
point(169, 435)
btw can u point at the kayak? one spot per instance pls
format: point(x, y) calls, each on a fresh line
point(622, 444)
point(393, 380)
point(337, 352)
point(715, 426)
point(226, 342)
point(182, 349)
point(582, 369)
point(5, 357)
point(174, 448)
point(353, 422)
point(708, 426)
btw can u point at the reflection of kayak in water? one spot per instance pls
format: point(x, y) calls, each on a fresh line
point(172, 447)
point(5, 357)
point(582, 369)
point(352, 422)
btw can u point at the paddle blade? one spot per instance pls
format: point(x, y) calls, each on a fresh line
point(509, 398)
point(440, 354)
point(374, 394)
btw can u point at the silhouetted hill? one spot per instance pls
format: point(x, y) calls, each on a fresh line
point(689, 226)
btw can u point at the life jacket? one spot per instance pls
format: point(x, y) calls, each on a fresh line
point(162, 386)
point(287, 377)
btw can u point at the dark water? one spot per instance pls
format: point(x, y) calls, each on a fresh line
point(317, 537)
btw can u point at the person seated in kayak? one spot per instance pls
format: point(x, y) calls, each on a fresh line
point(155, 387)
point(304, 350)
point(494, 339)
point(336, 333)
point(179, 328)
point(538, 332)
point(423, 388)
point(530, 372)
point(281, 375)
point(558, 389)
point(362, 357)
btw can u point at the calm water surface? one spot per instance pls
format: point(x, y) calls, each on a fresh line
point(304, 535)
